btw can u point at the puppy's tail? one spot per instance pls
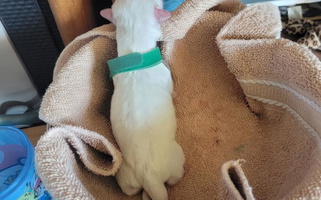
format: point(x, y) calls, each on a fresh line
point(153, 189)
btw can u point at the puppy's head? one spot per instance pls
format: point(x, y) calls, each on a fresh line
point(133, 9)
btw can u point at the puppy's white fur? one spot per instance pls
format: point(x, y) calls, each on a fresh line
point(142, 112)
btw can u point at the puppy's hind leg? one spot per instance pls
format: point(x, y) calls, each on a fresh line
point(176, 176)
point(154, 189)
point(177, 166)
point(145, 196)
point(127, 181)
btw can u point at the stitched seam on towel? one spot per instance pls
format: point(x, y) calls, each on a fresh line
point(288, 108)
point(271, 83)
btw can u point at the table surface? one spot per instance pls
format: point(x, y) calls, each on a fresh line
point(34, 133)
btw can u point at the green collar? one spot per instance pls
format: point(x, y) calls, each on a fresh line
point(134, 61)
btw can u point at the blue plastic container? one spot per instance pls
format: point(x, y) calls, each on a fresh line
point(18, 178)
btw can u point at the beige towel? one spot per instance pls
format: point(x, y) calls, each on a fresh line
point(248, 109)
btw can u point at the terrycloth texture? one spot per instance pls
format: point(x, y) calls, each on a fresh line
point(248, 109)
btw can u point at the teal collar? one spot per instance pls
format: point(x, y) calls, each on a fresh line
point(134, 61)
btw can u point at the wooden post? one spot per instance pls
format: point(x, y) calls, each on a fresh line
point(73, 17)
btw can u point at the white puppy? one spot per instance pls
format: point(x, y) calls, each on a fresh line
point(142, 112)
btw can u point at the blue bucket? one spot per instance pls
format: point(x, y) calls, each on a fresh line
point(18, 178)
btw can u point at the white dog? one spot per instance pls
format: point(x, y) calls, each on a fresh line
point(142, 112)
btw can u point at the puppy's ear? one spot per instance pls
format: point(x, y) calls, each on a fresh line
point(161, 15)
point(108, 14)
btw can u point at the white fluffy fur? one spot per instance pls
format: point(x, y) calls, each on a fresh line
point(142, 112)
point(137, 27)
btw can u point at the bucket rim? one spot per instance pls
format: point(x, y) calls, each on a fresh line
point(28, 164)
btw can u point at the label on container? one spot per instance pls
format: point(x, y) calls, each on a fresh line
point(35, 190)
point(12, 160)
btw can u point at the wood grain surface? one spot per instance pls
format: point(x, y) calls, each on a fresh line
point(73, 17)
point(34, 133)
